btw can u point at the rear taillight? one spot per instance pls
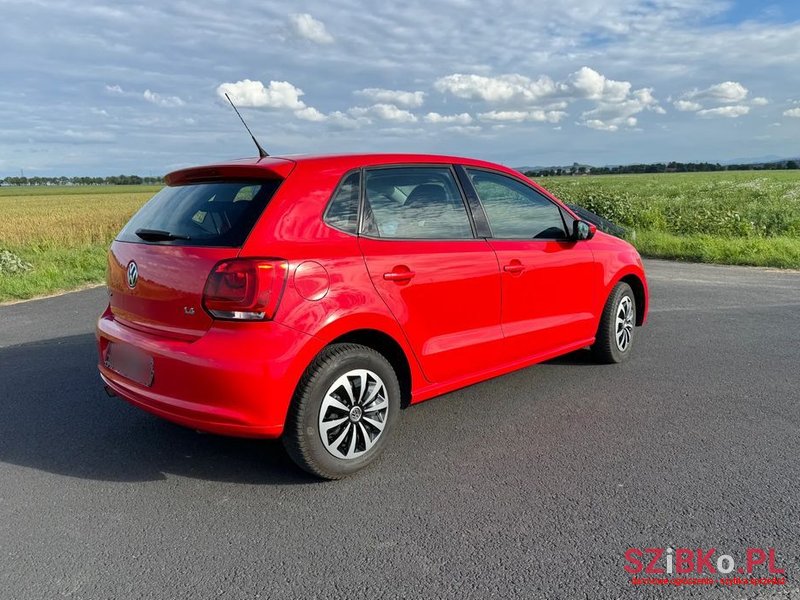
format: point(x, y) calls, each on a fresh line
point(247, 289)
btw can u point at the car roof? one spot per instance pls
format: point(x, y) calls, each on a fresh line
point(377, 158)
point(341, 161)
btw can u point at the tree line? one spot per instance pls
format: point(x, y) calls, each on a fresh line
point(669, 167)
point(110, 180)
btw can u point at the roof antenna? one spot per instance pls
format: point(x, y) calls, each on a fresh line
point(261, 152)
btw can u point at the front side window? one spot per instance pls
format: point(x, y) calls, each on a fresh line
point(514, 210)
point(342, 212)
point(414, 203)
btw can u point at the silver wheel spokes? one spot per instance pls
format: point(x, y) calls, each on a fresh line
point(623, 331)
point(353, 414)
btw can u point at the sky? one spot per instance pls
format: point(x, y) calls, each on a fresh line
point(93, 88)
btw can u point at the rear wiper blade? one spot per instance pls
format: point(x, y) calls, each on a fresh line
point(156, 235)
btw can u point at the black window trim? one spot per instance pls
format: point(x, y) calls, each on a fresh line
point(447, 166)
point(527, 185)
point(333, 197)
point(477, 213)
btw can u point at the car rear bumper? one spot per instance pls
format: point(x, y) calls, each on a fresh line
point(237, 379)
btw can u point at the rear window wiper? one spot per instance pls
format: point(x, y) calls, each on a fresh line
point(158, 235)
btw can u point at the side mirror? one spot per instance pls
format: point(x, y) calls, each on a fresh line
point(583, 230)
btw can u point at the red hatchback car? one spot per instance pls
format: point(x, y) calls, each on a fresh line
point(311, 297)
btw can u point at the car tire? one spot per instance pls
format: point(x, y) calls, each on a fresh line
point(614, 338)
point(343, 411)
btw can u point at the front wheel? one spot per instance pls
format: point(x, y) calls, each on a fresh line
point(615, 333)
point(343, 411)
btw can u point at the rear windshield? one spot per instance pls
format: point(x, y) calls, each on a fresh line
point(200, 214)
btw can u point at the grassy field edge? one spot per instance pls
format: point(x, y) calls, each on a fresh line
point(58, 236)
point(66, 270)
point(779, 252)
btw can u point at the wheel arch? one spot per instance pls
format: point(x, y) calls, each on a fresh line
point(383, 334)
point(385, 345)
point(639, 294)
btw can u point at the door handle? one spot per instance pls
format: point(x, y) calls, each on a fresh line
point(400, 274)
point(514, 267)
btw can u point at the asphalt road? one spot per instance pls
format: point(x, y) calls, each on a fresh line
point(532, 485)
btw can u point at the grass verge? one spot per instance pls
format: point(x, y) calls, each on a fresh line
point(61, 235)
point(781, 252)
point(54, 270)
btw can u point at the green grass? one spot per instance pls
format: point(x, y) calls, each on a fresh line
point(62, 233)
point(781, 252)
point(745, 218)
point(727, 204)
point(736, 217)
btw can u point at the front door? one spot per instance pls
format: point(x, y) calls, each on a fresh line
point(547, 279)
point(440, 282)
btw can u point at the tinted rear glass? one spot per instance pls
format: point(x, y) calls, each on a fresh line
point(201, 214)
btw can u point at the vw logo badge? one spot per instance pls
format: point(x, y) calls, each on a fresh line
point(133, 274)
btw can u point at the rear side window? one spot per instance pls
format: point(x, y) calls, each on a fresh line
point(342, 212)
point(516, 211)
point(414, 203)
point(201, 214)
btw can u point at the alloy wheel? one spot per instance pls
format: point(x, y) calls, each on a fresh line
point(624, 323)
point(353, 414)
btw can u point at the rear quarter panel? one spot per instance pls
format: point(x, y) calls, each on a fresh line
point(328, 291)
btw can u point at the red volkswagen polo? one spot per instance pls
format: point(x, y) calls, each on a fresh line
point(309, 298)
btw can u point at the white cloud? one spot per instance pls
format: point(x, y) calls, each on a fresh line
point(544, 99)
point(278, 94)
point(503, 88)
point(464, 129)
point(590, 84)
point(159, 100)
point(610, 116)
point(687, 105)
point(386, 112)
point(731, 112)
point(727, 92)
point(396, 97)
point(309, 113)
point(584, 83)
point(339, 120)
point(115, 89)
point(792, 112)
point(307, 27)
point(520, 116)
point(601, 125)
point(460, 119)
point(728, 96)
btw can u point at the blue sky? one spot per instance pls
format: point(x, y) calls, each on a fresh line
point(136, 87)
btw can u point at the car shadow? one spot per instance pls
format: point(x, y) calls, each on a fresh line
point(56, 417)
point(579, 357)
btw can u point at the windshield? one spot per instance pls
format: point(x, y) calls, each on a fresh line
point(200, 214)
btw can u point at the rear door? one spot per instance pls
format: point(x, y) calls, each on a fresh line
point(440, 282)
point(547, 279)
point(160, 261)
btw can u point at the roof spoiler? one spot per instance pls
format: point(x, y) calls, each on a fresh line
point(267, 168)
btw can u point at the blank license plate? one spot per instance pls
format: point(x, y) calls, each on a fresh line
point(129, 362)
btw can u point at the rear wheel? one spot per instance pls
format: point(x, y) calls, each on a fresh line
point(343, 411)
point(615, 334)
